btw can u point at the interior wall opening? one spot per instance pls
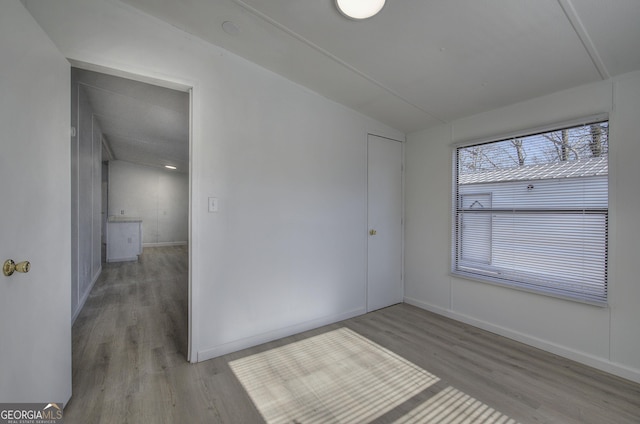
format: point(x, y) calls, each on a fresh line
point(130, 190)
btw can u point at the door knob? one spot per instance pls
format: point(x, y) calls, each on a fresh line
point(372, 232)
point(10, 267)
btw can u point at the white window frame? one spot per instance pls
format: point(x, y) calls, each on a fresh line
point(465, 270)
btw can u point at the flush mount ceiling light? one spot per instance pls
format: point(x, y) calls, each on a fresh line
point(359, 9)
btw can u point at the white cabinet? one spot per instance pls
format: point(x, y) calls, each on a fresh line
point(124, 239)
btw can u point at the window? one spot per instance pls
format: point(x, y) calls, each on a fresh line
point(531, 212)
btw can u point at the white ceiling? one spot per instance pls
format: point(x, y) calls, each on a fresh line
point(140, 122)
point(423, 62)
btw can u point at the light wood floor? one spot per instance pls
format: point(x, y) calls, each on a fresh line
point(129, 366)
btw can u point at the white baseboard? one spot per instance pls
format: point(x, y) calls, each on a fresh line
point(125, 259)
point(85, 295)
point(165, 244)
point(602, 364)
point(258, 339)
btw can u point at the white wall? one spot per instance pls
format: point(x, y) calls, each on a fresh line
point(287, 250)
point(608, 338)
point(160, 197)
point(86, 201)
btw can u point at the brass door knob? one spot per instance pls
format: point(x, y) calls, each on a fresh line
point(372, 232)
point(10, 267)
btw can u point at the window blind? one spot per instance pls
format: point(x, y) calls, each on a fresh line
point(531, 212)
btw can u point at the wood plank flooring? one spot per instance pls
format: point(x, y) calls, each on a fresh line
point(129, 366)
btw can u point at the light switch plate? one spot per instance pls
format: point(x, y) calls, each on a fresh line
point(213, 204)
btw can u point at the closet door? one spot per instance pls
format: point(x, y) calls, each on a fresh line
point(384, 205)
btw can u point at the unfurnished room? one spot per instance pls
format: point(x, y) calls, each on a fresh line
point(335, 211)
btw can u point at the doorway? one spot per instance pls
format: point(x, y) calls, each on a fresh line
point(384, 216)
point(130, 160)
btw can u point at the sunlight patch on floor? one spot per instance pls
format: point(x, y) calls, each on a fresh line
point(453, 406)
point(335, 377)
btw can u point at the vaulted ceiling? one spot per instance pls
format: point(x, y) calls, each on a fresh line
point(420, 63)
point(417, 64)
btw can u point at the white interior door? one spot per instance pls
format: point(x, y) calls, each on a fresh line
point(35, 307)
point(384, 199)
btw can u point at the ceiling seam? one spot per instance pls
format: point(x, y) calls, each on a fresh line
point(155, 142)
point(331, 56)
point(583, 35)
point(128, 97)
